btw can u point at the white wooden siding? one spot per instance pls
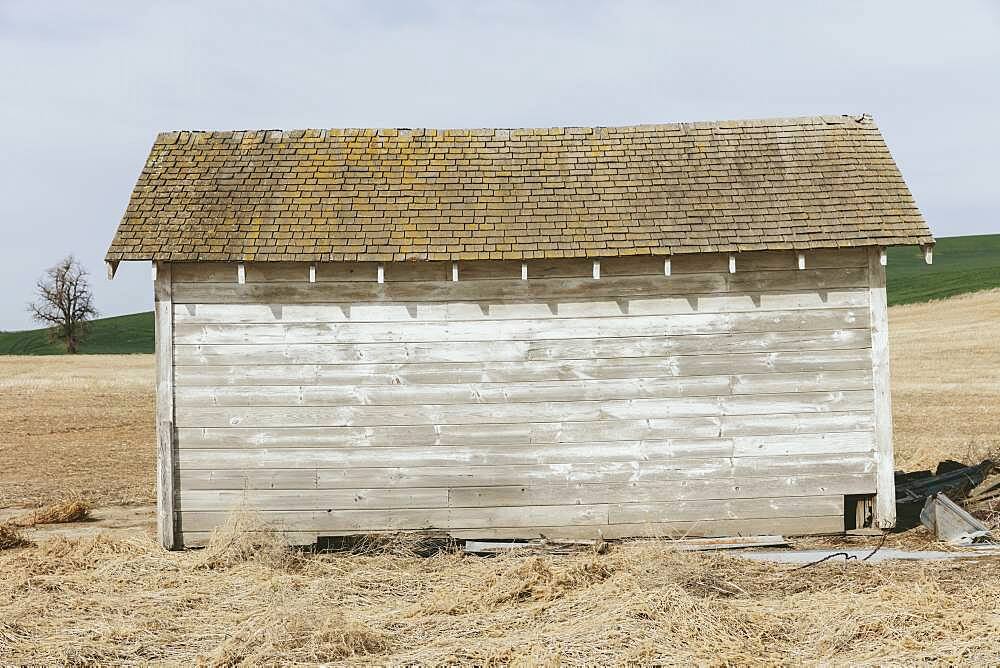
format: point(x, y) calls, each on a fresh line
point(703, 401)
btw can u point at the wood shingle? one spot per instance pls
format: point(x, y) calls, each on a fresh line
point(421, 194)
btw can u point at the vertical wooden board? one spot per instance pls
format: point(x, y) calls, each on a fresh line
point(885, 506)
point(166, 446)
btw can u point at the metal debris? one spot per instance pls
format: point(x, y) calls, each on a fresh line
point(547, 546)
point(915, 487)
point(946, 519)
point(726, 543)
point(561, 546)
point(856, 556)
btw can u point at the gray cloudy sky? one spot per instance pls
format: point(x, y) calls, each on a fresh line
point(85, 87)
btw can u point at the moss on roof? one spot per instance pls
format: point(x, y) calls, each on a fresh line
point(392, 194)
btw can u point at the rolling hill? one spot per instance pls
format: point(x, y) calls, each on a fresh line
point(118, 335)
point(961, 264)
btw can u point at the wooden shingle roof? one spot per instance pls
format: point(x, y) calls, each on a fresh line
point(384, 195)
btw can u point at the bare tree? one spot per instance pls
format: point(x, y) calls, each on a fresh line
point(65, 303)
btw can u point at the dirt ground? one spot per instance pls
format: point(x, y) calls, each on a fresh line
point(103, 592)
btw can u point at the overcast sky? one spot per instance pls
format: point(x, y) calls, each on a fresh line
point(85, 87)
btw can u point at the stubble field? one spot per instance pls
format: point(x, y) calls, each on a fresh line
point(82, 427)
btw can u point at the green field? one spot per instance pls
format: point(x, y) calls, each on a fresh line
point(121, 334)
point(961, 264)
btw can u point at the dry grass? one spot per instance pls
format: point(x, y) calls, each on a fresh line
point(11, 537)
point(63, 512)
point(98, 600)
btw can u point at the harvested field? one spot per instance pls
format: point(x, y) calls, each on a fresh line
point(106, 599)
point(946, 380)
point(76, 426)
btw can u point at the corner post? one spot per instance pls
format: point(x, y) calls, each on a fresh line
point(885, 501)
point(166, 460)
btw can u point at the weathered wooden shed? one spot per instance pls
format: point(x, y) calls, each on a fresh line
point(607, 331)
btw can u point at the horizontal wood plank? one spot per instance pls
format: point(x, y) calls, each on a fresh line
point(524, 495)
point(527, 516)
point(518, 351)
point(522, 330)
point(489, 393)
point(441, 467)
point(223, 314)
point(698, 510)
point(787, 526)
point(467, 434)
point(543, 289)
point(752, 371)
point(625, 450)
point(303, 499)
point(732, 408)
point(649, 492)
point(521, 433)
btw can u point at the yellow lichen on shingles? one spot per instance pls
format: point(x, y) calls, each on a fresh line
point(549, 192)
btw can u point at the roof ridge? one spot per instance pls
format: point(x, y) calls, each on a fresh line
point(863, 119)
